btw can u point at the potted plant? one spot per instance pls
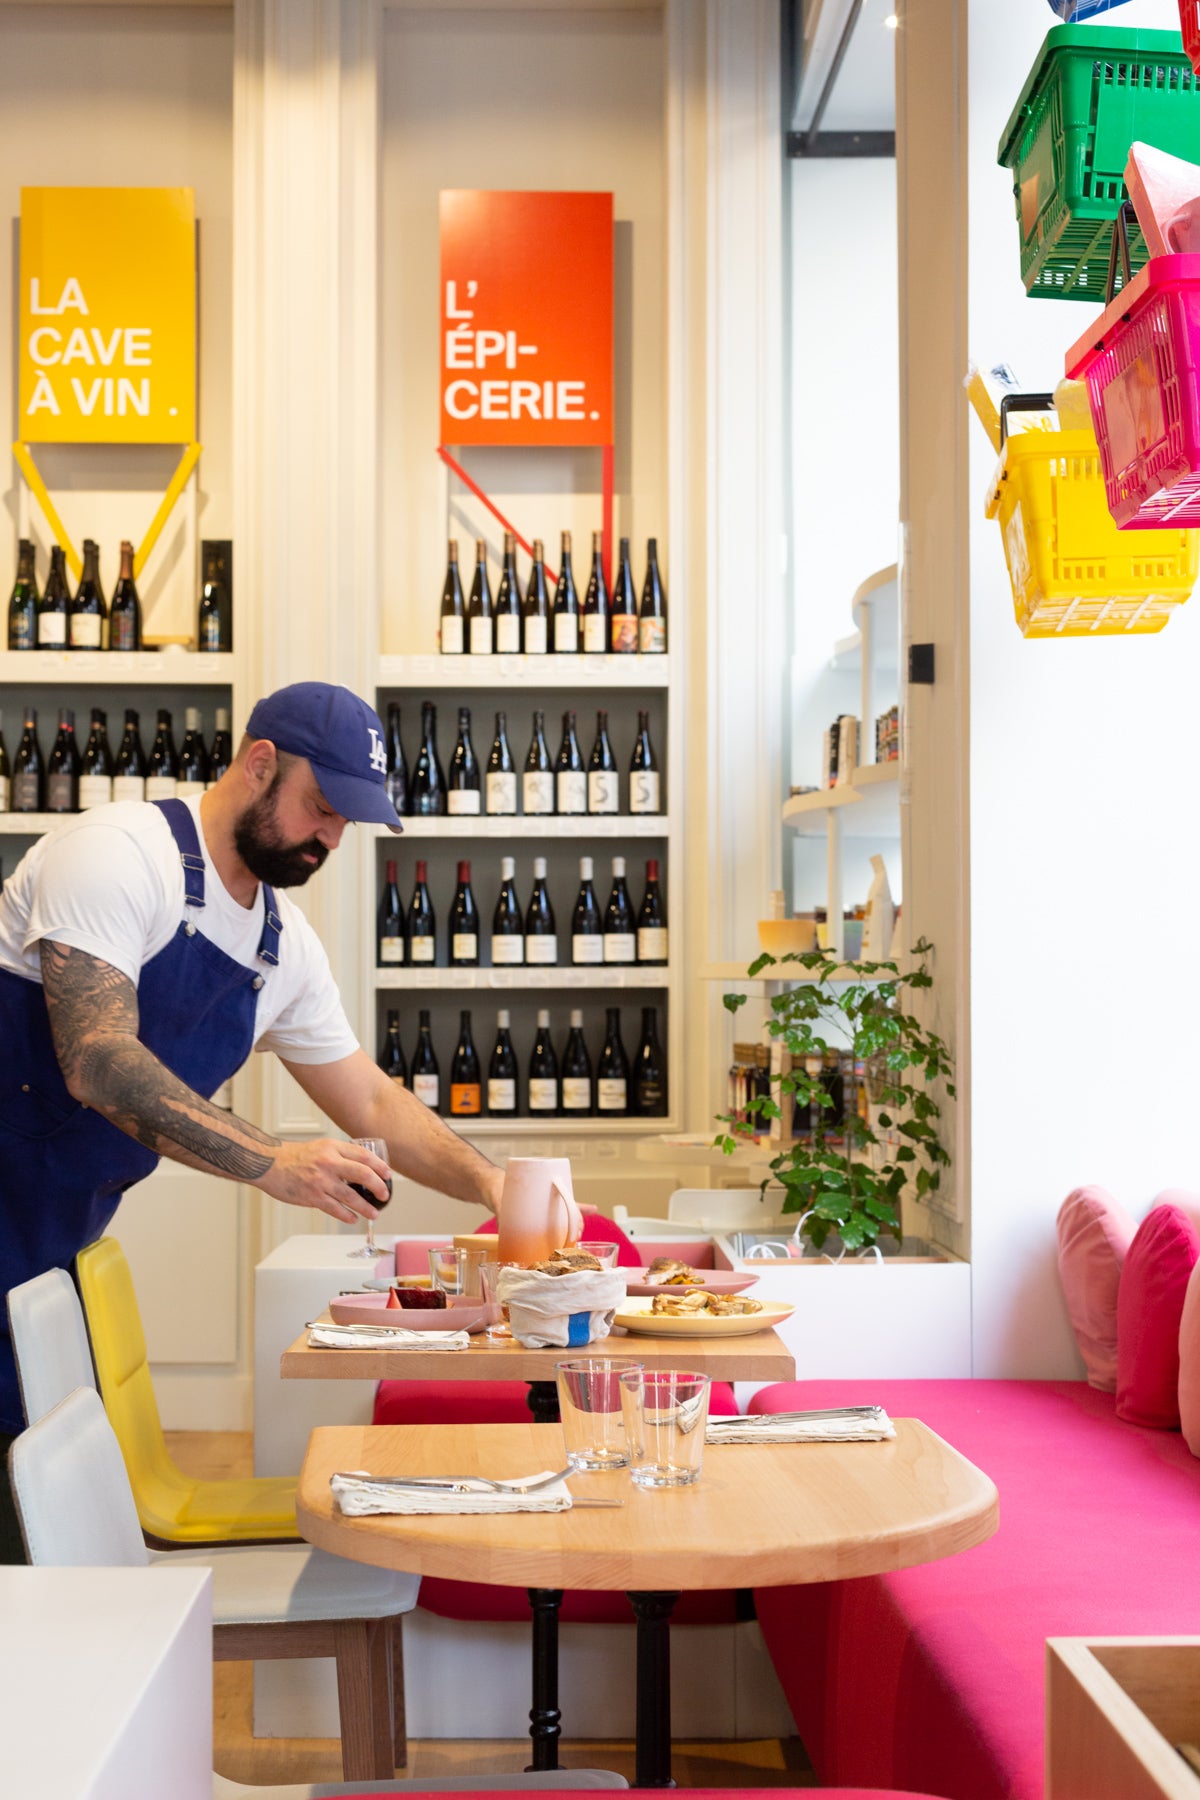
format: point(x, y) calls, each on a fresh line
point(843, 1175)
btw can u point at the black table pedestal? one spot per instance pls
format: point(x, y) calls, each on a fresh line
point(653, 1613)
point(542, 1401)
point(545, 1727)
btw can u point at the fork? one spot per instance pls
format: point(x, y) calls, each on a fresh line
point(796, 1418)
point(467, 1485)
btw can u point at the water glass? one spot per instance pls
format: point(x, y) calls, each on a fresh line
point(665, 1411)
point(489, 1275)
point(449, 1270)
point(590, 1406)
point(604, 1253)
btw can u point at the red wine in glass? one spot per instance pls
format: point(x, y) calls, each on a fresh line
point(379, 1149)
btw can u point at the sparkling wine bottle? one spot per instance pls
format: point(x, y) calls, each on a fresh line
point(389, 922)
point(543, 1071)
point(54, 604)
point(214, 615)
point(541, 938)
point(566, 604)
point(508, 602)
point(587, 927)
point(576, 1073)
point(481, 619)
point(595, 602)
point(23, 601)
point(422, 922)
point(500, 781)
point(125, 609)
point(537, 781)
point(603, 782)
point(535, 611)
point(508, 932)
point(502, 1072)
point(88, 615)
point(466, 1089)
point(96, 776)
point(463, 794)
point(451, 636)
point(570, 779)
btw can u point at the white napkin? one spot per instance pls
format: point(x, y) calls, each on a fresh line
point(357, 1496)
point(760, 1428)
point(344, 1337)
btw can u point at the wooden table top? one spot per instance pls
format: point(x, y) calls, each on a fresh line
point(761, 1514)
point(761, 1356)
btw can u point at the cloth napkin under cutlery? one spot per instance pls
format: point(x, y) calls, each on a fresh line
point(360, 1495)
point(378, 1337)
point(865, 1426)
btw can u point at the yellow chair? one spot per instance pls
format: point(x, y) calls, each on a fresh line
point(174, 1508)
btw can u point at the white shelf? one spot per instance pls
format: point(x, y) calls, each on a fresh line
point(867, 805)
point(30, 824)
point(462, 672)
point(554, 1128)
point(546, 825)
point(533, 978)
point(115, 668)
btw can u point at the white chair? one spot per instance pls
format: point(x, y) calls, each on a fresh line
point(50, 1342)
point(721, 1209)
point(76, 1510)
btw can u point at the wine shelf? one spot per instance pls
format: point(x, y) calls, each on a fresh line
point(867, 805)
point(113, 668)
point(545, 825)
point(584, 979)
point(463, 673)
point(30, 824)
point(557, 1128)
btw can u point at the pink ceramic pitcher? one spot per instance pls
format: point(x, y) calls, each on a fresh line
point(538, 1213)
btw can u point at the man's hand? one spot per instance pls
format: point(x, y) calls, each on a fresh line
point(318, 1173)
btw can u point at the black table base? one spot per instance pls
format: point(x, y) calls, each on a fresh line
point(653, 1613)
point(542, 1401)
point(545, 1727)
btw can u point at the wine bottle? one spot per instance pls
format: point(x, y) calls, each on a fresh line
point(649, 1071)
point(389, 922)
point(463, 796)
point(595, 602)
point(5, 772)
point(508, 932)
point(481, 617)
point(541, 939)
point(652, 619)
point(537, 781)
point(23, 601)
point(543, 1071)
point(396, 779)
point(535, 611)
point(466, 1089)
point(644, 788)
point(612, 1072)
point(426, 1085)
point(652, 920)
point(623, 631)
point(451, 637)
point(125, 610)
point(587, 927)
point(214, 615)
point(54, 605)
point(429, 783)
point(508, 602)
point(193, 757)
point(576, 1072)
point(129, 781)
point(88, 614)
point(162, 771)
point(464, 923)
point(391, 1052)
point(220, 753)
point(566, 604)
point(502, 1072)
point(500, 782)
point(62, 770)
point(96, 777)
point(422, 922)
point(29, 771)
point(603, 782)
point(620, 943)
point(570, 781)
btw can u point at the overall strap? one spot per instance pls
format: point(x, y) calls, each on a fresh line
point(183, 830)
point(268, 943)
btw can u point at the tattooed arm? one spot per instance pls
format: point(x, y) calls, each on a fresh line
point(93, 1012)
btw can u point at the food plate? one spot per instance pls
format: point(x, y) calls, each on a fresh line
point(715, 1281)
point(373, 1309)
point(636, 1316)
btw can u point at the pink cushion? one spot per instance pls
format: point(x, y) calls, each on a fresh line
point(479, 1402)
point(1154, 1281)
point(1094, 1234)
point(1189, 1364)
point(808, 1793)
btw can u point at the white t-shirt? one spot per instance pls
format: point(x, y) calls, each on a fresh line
point(110, 882)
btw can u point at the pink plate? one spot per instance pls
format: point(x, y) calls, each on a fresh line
point(373, 1309)
point(715, 1281)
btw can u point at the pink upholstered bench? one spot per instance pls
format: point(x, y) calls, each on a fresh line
point(934, 1676)
point(415, 1793)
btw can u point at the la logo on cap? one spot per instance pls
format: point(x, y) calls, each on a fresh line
point(378, 753)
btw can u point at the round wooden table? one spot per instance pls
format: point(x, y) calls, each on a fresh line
point(762, 1515)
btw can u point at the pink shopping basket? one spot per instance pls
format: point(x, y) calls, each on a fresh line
point(1189, 25)
point(1141, 361)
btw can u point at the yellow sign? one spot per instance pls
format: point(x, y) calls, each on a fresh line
point(107, 351)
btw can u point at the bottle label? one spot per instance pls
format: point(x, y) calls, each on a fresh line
point(537, 791)
point(643, 791)
point(391, 950)
point(185, 789)
point(464, 946)
point(94, 790)
point(587, 949)
point(624, 632)
point(501, 793)
point(483, 636)
point(466, 1099)
point(128, 787)
point(508, 634)
point(543, 1094)
point(652, 943)
point(507, 950)
point(425, 1089)
point(576, 1093)
point(652, 636)
point(612, 1095)
point(421, 949)
point(25, 793)
point(595, 634)
point(22, 628)
point(603, 789)
point(85, 631)
point(121, 633)
point(61, 793)
point(52, 631)
point(535, 636)
point(650, 1096)
point(160, 787)
point(566, 633)
point(619, 946)
point(541, 949)
point(571, 791)
point(209, 637)
point(3, 793)
point(451, 639)
point(502, 1095)
point(462, 801)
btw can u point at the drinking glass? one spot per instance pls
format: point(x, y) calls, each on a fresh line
point(666, 1411)
point(604, 1253)
point(378, 1148)
point(489, 1274)
point(448, 1270)
point(590, 1406)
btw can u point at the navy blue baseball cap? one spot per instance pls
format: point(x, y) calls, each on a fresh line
point(342, 739)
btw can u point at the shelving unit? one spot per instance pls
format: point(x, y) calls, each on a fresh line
point(571, 674)
point(114, 668)
point(523, 979)
point(866, 805)
point(546, 825)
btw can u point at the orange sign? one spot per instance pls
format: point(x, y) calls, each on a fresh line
point(527, 318)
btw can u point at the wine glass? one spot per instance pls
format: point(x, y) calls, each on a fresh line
point(379, 1148)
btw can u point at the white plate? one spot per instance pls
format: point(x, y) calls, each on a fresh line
point(636, 1316)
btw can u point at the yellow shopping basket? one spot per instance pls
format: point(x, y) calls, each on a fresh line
point(1073, 573)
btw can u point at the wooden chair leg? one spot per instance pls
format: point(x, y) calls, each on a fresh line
point(399, 1719)
point(362, 1649)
